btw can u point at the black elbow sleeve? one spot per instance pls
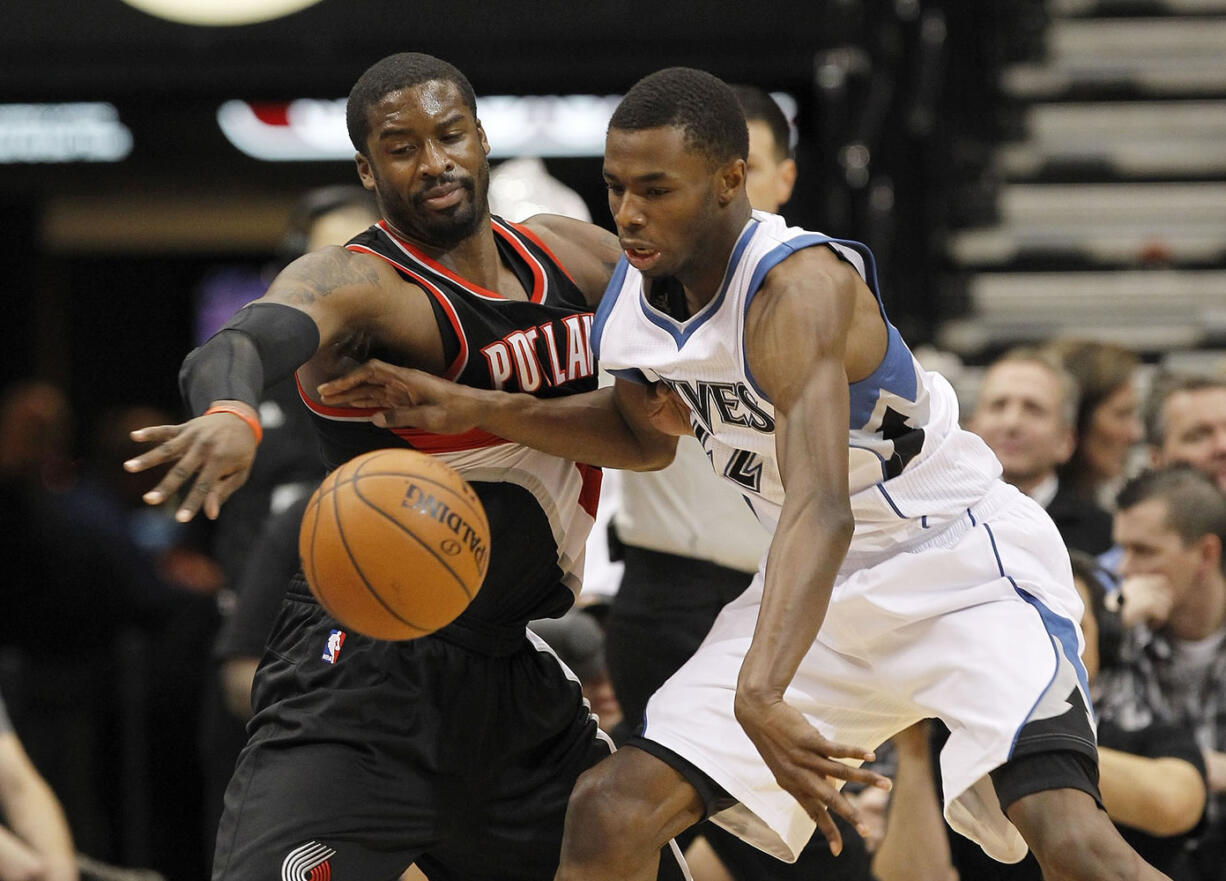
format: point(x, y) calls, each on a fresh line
point(261, 345)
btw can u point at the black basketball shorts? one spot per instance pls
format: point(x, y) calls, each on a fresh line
point(368, 756)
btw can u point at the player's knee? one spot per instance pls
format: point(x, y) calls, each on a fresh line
point(1072, 838)
point(634, 799)
point(604, 807)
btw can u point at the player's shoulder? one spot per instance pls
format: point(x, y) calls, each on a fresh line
point(333, 272)
point(808, 288)
point(815, 267)
point(587, 252)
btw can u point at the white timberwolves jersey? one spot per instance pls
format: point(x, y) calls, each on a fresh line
point(912, 469)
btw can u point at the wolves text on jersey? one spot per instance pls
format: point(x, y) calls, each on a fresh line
point(551, 354)
point(734, 402)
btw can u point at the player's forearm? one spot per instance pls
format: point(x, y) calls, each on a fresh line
point(586, 428)
point(804, 559)
point(261, 345)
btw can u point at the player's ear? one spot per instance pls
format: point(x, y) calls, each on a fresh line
point(485, 144)
point(731, 178)
point(787, 179)
point(365, 175)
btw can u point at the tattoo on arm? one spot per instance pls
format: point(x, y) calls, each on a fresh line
point(304, 282)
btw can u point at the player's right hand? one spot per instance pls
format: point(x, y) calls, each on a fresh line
point(216, 449)
point(807, 765)
point(405, 397)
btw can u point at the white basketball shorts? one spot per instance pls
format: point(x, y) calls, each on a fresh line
point(975, 626)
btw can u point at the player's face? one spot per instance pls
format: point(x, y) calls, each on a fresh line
point(1196, 432)
point(427, 164)
point(1018, 414)
point(768, 179)
point(663, 197)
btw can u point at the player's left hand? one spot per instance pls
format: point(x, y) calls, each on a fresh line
point(667, 412)
point(806, 764)
point(405, 397)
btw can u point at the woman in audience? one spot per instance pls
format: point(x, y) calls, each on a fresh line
point(1108, 425)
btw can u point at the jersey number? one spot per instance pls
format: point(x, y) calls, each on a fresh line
point(745, 468)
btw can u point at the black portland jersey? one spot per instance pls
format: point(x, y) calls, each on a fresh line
point(540, 507)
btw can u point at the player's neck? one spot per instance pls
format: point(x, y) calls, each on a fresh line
point(474, 259)
point(704, 273)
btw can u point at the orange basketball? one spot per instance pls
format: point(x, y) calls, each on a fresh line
point(394, 544)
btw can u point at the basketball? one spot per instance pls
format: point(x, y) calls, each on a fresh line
point(394, 544)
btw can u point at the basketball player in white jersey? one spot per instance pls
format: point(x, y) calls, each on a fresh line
point(904, 580)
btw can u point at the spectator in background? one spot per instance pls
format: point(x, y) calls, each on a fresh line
point(1107, 423)
point(1171, 525)
point(35, 844)
point(1151, 778)
point(77, 589)
point(1026, 411)
point(1185, 421)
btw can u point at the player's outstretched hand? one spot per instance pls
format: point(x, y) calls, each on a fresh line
point(806, 764)
point(405, 398)
point(217, 449)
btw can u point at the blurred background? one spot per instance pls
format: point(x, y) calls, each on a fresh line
point(1023, 169)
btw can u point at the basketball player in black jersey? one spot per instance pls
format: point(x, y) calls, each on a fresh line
point(456, 751)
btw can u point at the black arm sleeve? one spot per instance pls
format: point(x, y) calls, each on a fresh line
point(261, 345)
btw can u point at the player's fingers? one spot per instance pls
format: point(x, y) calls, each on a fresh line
point(159, 434)
point(224, 488)
point(155, 433)
point(840, 750)
point(856, 775)
point(204, 484)
point(826, 824)
point(398, 417)
point(839, 804)
point(179, 473)
point(359, 375)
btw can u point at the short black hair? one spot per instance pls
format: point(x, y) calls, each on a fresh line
point(758, 106)
point(700, 104)
point(400, 71)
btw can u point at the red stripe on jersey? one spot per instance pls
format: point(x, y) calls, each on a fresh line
point(538, 273)
point(322, 872)
point(529, 234)
point(457, 365)
point(427, 442)
point(354, 414)
point(589, 495)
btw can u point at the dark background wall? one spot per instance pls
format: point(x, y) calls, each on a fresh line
point(100, 259)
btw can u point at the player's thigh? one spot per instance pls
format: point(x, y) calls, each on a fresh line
point(303, 812)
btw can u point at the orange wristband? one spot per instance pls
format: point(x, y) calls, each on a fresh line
point(251, 421)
